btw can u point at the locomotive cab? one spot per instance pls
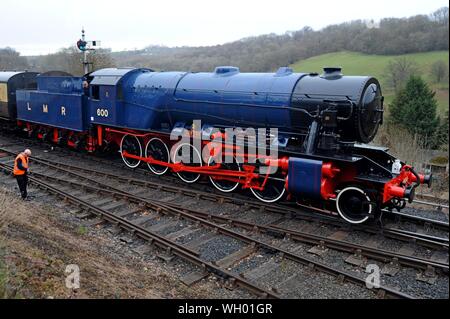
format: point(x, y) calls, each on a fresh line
point(105, 95)
point(108, 97)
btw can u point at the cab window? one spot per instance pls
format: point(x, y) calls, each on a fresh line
point(95, 93)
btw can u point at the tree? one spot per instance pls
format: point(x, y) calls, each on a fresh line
point(71, 60)
point(439, 71)
point(399, 71)
point(265, 53)
point(441, 137)
point(10, 60)
point(101, 58)
point(414, 108)
point(440, 16)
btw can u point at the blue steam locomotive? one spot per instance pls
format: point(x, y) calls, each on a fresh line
point(314, 129)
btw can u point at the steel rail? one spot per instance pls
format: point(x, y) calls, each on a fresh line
point(153, 237)
point(432, 197)
point(286, 254)
point(215, 197)
point(441, 223)
point(274, 208)
point(375, 253)
point(419, 235)
point(286, 208)
point(379, 254)
point(269, 207)
point(437, 205)
point(305, 237)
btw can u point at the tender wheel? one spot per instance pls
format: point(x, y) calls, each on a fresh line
point(189, 156)
point(274, 189)
point(224, 185)
point(131, 145)
point(158, 150)
point(353, 205)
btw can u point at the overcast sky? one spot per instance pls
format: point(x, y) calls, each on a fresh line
point(44, 26)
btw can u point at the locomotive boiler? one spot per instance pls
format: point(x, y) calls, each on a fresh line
point(323, 123)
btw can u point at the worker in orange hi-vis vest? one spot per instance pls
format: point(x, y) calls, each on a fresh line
point(21, 170)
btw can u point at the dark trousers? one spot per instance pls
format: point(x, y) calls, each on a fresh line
point(22, 181)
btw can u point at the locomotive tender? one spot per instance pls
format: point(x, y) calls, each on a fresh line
point(323, 122)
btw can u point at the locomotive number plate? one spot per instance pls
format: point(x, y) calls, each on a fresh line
point(102, 112)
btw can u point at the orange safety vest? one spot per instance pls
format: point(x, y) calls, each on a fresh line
point(24, 159)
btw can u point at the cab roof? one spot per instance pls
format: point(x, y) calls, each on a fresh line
point(7, 75)
point(111, 76)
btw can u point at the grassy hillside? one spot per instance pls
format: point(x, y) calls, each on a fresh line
point(362, 64)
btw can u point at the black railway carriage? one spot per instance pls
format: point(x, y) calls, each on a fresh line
point(9, 83)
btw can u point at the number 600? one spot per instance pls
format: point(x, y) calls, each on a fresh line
point(102, 112)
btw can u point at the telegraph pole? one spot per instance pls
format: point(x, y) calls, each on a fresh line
point(85, 46)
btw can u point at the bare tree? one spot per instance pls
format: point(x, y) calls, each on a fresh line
point(402, 144)
point(439, 71)
point(10, 60)
point(440, 16)
point(101, 58)
point(71, 60)
point(391, 36)
point(399, 71)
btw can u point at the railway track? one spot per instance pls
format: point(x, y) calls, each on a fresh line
point(272, 228)
point(147, 235)
point(389, 230)
point(173, 184)
point(308, 214)
point(215, 222)
point(437, 205)
point(432, 200)
point(187, 251)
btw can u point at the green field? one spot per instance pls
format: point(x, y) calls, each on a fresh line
point(363, 64)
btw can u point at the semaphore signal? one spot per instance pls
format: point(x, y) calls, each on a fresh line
point(85, 46)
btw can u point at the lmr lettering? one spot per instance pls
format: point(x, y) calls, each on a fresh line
point(246, 308)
